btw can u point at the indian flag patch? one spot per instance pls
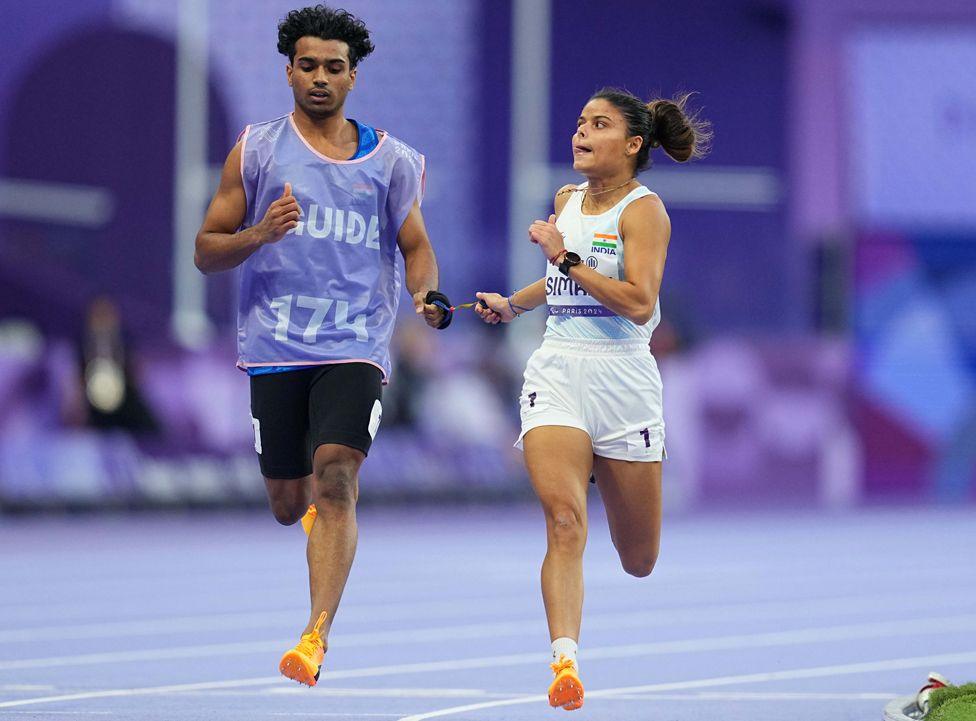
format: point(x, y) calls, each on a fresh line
point(604, 243)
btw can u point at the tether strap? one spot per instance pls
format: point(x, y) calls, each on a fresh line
point(436, 298)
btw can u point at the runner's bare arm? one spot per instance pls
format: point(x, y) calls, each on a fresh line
point(502, 309)
point(220, 244)
point(529, 297)
point(645, 230)
point(420, 264)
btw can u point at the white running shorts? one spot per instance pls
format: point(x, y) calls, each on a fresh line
point(611, 389)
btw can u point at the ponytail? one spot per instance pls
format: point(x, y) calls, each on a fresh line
point(661, 123)
point(682, 135)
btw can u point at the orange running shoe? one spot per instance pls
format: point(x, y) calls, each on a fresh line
point(309, 518)
point(566, 690)
point(304, 662)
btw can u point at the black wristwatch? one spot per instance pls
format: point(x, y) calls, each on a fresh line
point(569, 260)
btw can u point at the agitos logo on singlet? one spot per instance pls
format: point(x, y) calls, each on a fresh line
point(342, 225)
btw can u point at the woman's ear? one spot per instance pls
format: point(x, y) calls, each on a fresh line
point(634, 144)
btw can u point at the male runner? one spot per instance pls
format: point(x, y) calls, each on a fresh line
point(313, 207)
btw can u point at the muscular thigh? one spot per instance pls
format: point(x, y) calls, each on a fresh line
point(631, 493)
point(559, 460)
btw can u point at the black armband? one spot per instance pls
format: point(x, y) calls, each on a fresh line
point(435, 297)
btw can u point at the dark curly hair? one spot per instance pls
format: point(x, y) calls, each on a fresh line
point(664, 123)
point(323, 22)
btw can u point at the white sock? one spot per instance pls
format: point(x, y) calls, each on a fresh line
point(564, 646)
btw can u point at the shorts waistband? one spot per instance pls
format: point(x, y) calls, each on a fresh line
point(598, 346)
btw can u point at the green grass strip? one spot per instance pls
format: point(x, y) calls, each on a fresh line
point(954, 703)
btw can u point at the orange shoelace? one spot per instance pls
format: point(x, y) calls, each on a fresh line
point(312, 641)
point(561, 665)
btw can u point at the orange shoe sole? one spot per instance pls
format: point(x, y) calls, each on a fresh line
point(566, 692)
point(293, 666)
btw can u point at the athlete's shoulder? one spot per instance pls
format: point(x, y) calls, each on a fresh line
point(562, 197)
point(646, 209)
point(266, 128)
point(396, 145)
point(281, 120)
point(644, 200)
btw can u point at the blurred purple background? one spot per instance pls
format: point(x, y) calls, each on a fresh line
point(818, 345)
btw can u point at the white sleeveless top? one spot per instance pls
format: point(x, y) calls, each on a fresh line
point(573, 313)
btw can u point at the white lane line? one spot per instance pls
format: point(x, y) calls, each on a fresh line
point(388, 692)
point(824, 634)
point(123, 692)
point(296, 690)
point(814, 672)
point(847, 669)
point(360, 692)
point(315, 714)
point(927, 627)
point(327, 714)
point(661, 616)
point(758, 696)
point(62, 713)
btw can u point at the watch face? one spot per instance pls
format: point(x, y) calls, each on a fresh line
point(573, 258)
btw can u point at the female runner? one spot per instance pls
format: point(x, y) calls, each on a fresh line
point(591, 402)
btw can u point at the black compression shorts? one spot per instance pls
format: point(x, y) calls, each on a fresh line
point(295, 412)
